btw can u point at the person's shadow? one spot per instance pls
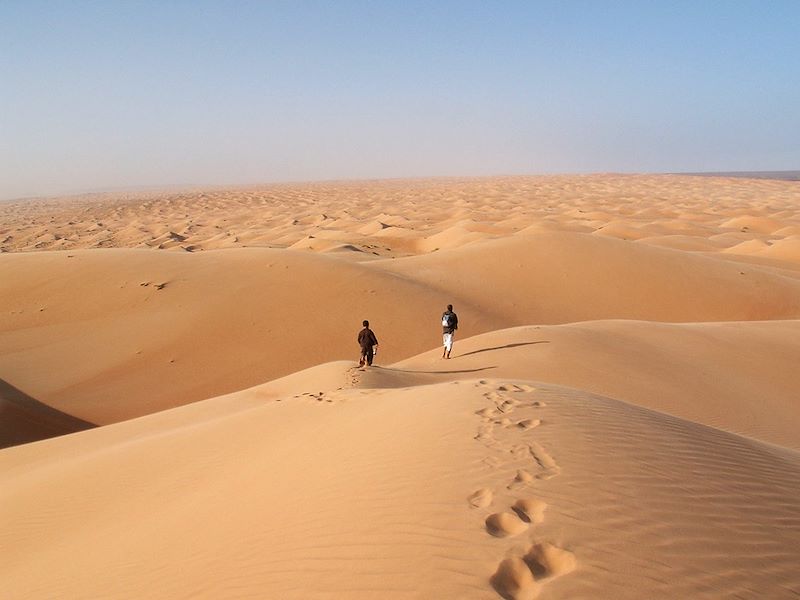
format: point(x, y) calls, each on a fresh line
point(396, 370)
point(504, 347)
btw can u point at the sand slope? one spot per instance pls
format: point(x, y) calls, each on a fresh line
point(406, 492)
point(735, 376)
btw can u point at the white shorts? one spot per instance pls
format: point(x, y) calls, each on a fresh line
point(447, 341)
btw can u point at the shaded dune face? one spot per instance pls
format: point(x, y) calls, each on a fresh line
point(24, 419)
point(618, 420)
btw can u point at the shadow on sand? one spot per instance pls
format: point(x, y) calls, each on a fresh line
point(504, 347)
point(435, 372)
point(25, 419)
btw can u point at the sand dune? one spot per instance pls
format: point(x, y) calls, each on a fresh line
point(619, 419)
point(712, 373)
point(504, 488)
point(281, 215)
point(562, 277)
point(158, 330)
point(129, 332)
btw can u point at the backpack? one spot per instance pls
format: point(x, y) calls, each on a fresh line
point(448, 320)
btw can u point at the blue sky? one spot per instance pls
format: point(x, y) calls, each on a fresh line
point(97, 95)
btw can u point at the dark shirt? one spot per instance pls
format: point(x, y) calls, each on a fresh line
point(366, 338)
point(453, 322)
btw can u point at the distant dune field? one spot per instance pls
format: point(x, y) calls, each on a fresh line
point(619, 419)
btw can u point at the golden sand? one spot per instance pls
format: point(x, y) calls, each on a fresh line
point(619, 419)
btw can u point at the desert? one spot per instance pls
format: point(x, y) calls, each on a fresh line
point(183, 414)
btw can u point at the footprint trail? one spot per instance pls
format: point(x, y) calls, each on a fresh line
point(526, 569)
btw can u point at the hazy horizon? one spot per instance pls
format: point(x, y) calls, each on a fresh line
point(138, 95)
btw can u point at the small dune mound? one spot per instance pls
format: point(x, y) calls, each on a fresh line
point(395, 220)
point(748, 247)
point(622, 230)
point(687, 243)
point(393, 231)
point(790, 230)
point(787, 249)
point(344, 248)
point(372, 228)
point(316, 244)
point(452, 237)
point(753, 224)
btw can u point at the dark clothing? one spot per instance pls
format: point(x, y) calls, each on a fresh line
point(449, 321)
point(367, 339)
point(366, 357)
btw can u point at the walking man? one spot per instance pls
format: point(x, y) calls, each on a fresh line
point(368, 343)
point(449, 326)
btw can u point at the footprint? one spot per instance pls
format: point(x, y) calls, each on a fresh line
point(530, 510)
point(485, 432)
point(521, 479)
point(521, 578)
point(505, 524)
point(506, 406)
point(504, 422)
point(516, 388)
point(547, 560)
point(485, 412)
point(514, 580)
point(480, 498)
point(545, 461)
point(493, 396)
point(529, 423)
point(492, 462)
point(518, 450)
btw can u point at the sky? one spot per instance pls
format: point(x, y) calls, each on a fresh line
point(118, 94)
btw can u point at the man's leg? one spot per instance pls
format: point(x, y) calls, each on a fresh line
point(369, 357)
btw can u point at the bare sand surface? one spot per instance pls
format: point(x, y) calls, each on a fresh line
point(619, 419)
